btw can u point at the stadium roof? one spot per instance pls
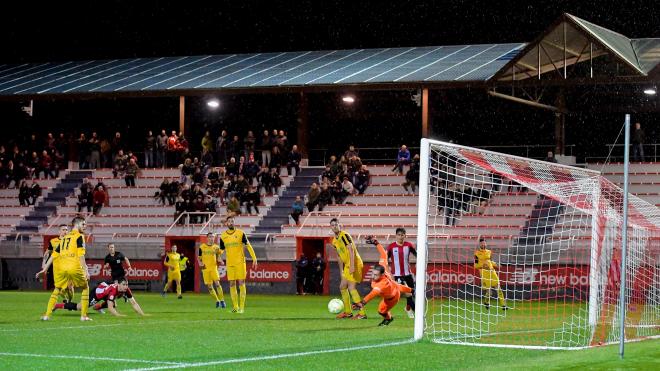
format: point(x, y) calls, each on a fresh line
point(260, 70)
point(570, 40)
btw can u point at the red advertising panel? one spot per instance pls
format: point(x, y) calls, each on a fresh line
point(553, 275)
point(265, 272)
point(141, 270)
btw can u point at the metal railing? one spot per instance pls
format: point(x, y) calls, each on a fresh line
point(651, 153)
point(184, 220)
point(387, 155)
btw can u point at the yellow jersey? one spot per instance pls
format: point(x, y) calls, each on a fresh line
point(68, 252)
point(233, 242)
point(481, 257)
point(209, 255)
point(343, 244)
point(172, 261)
point(53, 243)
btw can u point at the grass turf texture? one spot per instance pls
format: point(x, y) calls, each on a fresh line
point(192, 331)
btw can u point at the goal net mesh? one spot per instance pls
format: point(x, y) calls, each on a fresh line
point(527, 253)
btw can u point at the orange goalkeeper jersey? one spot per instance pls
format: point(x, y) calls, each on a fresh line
point(385, 288)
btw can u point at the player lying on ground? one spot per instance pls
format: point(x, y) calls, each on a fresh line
point(67, 293)
point(104, 297)
point(208, 259)
point(489, 279)
point(70, 267)
point(388, 290)
point(350, 266)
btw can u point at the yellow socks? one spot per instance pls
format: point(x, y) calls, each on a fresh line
point(178, 289)
point(221, 294)
point(356, 299)
point(52, 301)
point(212, 292)
point(346, 299)
point(84, 301)
point(234, 297)
point(243, 293)
point(500, 297)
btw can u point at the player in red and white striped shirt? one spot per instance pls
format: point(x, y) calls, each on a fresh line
point(398, 254)
point(104, 296)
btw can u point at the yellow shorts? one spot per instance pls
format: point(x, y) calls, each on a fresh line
point(236, 272)
point(75, 276)
point(355, 277)
point(489, 280)
point(173, 276)
point(210, 275)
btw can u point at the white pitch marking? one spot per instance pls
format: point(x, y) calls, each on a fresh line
point(276, 356)
point(87, 358)
point(56, 328)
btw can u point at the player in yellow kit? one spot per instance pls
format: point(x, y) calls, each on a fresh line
point(489, 279)
point(234, 241)
point(72, 268)
point(350, 264)
point(208, 258)
point(172, 260)
point(67, 293)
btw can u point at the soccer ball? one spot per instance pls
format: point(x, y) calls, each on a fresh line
point(335, 306)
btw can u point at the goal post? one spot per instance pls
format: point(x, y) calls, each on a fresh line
point(517, 252)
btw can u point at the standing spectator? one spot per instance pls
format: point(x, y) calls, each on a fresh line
point(99, 200)
point(117, 143)
point(638, 140)
point(236, 147)
point(35, 192)
point(24, 194)
point(207, 142)
point(250, 170)
point(282, 142)
point(85, 198)
point(94, 151)
point(318, 268)
point(119, 165)
point(45, 163)
point(265, 146)
point(412, 175)
point(161, 149)
point(294, 160)
point(132, 170)
point(402, 158)
point(115, 260)
point(222, 148)
point(172, 149)
point(351, 152)
point(362, 178)
point(302, 272)
point(106, 153)
point(249, 143)
point(57, 162)
point(549, 158)
point(297, 210)
point(275, 181)
point(276, 159)
point(313, 197)
point(263, 177)
point(149, 147)
point(232, 167)
point(4, 176)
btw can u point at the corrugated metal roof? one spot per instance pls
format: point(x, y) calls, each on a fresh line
point(259, 70)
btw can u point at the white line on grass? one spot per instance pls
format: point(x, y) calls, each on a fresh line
point(64, 356)
point(275, 356)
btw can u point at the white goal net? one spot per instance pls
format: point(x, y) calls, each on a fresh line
point(520, 252)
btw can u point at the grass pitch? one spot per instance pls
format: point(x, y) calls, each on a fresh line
point(276, 332)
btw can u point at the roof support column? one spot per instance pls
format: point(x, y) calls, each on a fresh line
point(425, 113)
point(182, 115)
point(303, 125)
point(560, 124)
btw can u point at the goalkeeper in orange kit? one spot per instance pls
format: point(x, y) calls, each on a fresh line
point(388, 290)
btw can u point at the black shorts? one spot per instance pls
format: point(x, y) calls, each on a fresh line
point(407, 280)
point(118, 276)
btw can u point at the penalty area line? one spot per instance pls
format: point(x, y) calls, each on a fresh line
point(64, 356)
point(275, 356)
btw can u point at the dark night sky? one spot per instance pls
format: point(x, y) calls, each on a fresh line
point(80, 30)
point(112, 29)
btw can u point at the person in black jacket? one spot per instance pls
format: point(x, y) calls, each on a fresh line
point(302, 271)
point(116, 260)
point(294, 160)
point(318, 268)
point(252, 199)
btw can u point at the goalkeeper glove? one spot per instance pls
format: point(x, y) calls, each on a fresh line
point(371, 240)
